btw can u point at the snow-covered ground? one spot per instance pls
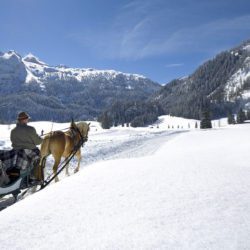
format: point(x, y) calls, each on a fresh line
point(120, 142)
point(189, 189)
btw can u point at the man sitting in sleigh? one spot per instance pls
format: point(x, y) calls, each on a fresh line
point(25, 152)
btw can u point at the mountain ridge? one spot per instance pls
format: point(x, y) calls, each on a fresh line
point(81, 93)
point(59, 92)
point(223, 82)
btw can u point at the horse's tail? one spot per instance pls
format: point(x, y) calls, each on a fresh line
point(44, 152)
point(45, 146)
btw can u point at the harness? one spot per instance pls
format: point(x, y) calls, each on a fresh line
point(73, 132)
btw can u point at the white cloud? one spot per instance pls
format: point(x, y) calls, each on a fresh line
point(144, 28)
point(199, 38)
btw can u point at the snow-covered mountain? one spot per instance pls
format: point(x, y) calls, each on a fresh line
point(59, 92)
point(48, 87)
point(40, 72)
point(223, 81)
point(30, 69)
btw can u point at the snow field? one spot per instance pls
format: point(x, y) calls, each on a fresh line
point(189, 192)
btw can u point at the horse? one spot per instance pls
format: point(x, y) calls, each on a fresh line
point(61, 144)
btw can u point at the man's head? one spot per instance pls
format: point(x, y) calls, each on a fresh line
point(23, 117)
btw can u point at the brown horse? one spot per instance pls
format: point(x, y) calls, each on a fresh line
point(62, 144)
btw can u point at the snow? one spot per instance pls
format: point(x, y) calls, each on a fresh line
point(189, 189)
point(246, 95)
point(39, 71)
point(247, 47)
point(236, 83)
point(11, 55)
point(31, 78)
point(80, 74)
point(33, 59)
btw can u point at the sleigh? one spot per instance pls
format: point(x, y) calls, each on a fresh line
point(16, 167)
point(18, 180)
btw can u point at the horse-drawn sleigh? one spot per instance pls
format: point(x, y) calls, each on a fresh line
point(16, 179)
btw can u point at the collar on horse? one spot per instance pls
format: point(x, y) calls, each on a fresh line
point(73, 133)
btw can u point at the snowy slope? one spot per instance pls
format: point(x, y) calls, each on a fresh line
point(236, 84)
point(12, 69)
point(192, 193)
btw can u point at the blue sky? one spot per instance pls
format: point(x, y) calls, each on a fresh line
point(160, 39)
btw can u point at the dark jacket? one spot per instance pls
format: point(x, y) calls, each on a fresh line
point(24, 137)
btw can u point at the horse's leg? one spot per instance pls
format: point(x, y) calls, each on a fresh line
point(67, 169)
point(56, 163)
point(79, 157)
point(38, 173)
point(39, 169)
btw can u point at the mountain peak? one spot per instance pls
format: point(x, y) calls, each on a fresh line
point(11, 55)
point(33, 59)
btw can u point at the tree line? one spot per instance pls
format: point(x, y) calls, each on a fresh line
point(135, 113)
point(140, 114)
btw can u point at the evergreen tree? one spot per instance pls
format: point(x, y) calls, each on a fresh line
point(241, 116)
point(206, 120)
point(106, 121)
point(248, 115)
point(230, 118)
point(137, 122)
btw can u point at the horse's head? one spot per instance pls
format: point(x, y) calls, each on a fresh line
point(83, 128)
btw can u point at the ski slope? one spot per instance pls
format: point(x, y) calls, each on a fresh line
point(190, 190)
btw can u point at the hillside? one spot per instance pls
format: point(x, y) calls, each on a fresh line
point(59, 92)
point(222, 82)
point(221, 85)
point(179, 197)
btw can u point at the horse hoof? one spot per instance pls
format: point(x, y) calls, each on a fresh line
point(76, 170)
